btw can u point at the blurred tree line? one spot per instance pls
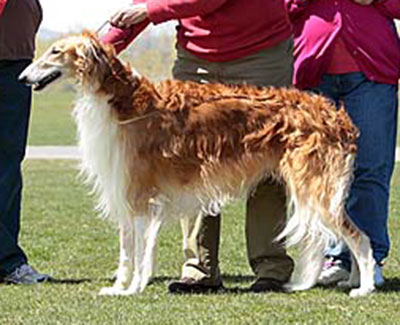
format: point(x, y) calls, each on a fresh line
point(151, 54)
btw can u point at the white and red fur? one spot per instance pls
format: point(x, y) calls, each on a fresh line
point(176, 149)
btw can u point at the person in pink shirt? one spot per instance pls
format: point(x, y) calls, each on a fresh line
point(349, 50)
point(235, 42)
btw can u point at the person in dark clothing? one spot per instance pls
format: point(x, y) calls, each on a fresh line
point(17, 45)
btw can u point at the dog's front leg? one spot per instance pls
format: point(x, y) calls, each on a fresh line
point(140, 229)
point(150, 251)
point(125, 268)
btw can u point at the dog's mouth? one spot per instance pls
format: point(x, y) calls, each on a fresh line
point(41, 84)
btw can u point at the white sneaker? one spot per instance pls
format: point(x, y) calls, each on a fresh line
point(25, 274)
point(333, 272)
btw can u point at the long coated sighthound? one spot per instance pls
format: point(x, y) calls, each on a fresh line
point(155, 151)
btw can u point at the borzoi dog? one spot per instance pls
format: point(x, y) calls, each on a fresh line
point(153, 151)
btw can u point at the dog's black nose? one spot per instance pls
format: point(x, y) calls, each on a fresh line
point(23, 79)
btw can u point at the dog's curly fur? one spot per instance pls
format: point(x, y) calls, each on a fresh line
point(177, 148)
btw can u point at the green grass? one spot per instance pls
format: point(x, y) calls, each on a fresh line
point(51, 120)
point(63, 236)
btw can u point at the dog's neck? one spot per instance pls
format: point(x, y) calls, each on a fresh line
point(131, 95)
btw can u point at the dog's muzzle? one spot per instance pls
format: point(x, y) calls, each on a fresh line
point(42, 83)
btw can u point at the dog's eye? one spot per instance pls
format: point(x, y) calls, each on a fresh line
point(55, 51)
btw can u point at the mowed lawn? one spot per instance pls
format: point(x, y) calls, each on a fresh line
point(64, 237)
point(51, 118)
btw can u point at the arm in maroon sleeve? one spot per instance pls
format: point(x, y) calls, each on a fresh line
point(296, 7)
point(160, 11)
point(2, 5)
point(121, 38)
point(390, 8)
point(164, 10)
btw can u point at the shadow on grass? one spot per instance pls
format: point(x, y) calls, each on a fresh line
point(228, 279)
point(77, 281)
point(391, 285)
point(109, 280)
point(237, 278)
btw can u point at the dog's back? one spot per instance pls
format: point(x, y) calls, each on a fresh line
point(225, 139)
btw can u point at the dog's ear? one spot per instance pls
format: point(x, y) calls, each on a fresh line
point(92, 56)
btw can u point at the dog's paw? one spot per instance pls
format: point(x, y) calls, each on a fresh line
point(112, 291)
point(288, 288)
point(291, 287)
point(134, 288)
point(360, 292)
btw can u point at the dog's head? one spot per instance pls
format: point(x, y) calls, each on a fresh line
point(81, 57)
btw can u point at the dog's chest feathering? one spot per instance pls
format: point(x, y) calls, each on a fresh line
point(103, 157)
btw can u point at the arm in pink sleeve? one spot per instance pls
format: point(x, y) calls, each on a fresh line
point(296, 7)
point(163, 10)
point(390, 8)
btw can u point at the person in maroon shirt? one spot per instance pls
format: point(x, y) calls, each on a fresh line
point(235, 42)
point(349, 50)
point(2, 5)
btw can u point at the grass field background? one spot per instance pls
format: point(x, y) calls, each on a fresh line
point(51, 117)
point(63, 236)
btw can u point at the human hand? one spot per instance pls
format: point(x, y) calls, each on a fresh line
point(128, 16)
point(364, 2)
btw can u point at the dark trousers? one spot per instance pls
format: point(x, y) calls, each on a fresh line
point(15, 104)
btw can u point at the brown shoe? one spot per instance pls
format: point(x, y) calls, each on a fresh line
point(266, 285)
point(190, 285)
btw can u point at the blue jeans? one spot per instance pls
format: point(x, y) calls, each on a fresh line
point(373, 108)
point(15, 104)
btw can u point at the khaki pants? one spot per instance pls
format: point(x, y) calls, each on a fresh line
point(266, 207)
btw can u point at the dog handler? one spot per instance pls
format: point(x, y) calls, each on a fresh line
point(234, 42)
point(19, 22)
point(349, 50)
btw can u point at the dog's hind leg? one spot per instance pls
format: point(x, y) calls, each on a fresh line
point(125, 268)
point(360, 246)
point(305, 228)
point(308, 266)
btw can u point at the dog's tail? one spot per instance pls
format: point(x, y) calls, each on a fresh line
point(317, 190)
